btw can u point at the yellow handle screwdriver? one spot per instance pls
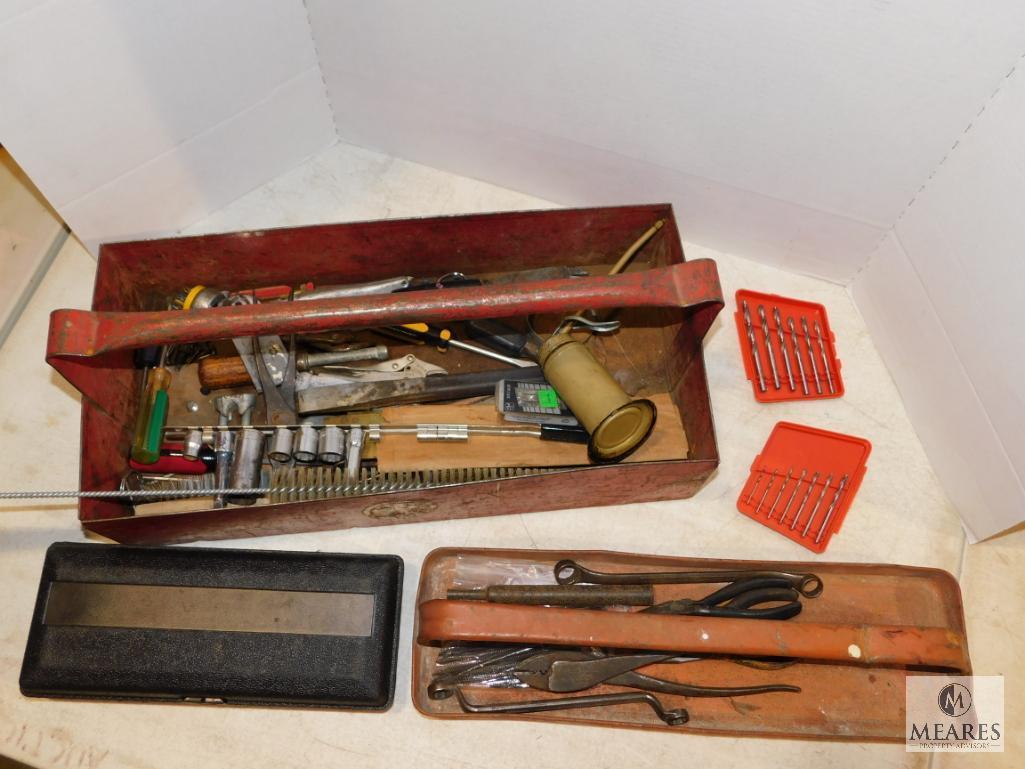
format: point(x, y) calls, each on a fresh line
point(149, 424)
point(442, 339)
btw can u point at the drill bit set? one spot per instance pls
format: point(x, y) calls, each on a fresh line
point(788, 348)
point(803, 482)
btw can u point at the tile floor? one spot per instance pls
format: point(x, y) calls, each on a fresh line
point(901, 515)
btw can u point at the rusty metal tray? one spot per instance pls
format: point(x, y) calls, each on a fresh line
point(837, 701)
point(673, 305)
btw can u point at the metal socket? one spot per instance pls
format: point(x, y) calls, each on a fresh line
point(306, 444)
point(246, 465)
point(331, 448)
point(281, 445)
point(193, 444)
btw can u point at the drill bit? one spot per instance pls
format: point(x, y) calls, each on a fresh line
point(832, 509)
point(772, 479)
point(804, 501)
point(825, 358)
point(754, 488)
point(793, 494)
point(783, 346)
point(779, 494)
point(768, 346)
point(754, 346)
point(811, 355)
point(797, 355)
point(818, 503)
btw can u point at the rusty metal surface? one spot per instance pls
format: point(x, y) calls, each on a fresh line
point(837, 701)
point(87, 333)
point(472, 621)
point(137, 277)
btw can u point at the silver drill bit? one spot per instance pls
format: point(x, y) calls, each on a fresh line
point(783, 347)
point(768, 346)
point(772, 479)
point(754, 488)
point(779, 494)
point(829, 513)
point(754, 346)
point(818, 504)
point(804, 501)
point(825, 358)
point(811, 355)
point(790, 500)
point(797, 355)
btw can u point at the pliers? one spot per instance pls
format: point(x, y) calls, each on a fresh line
point(568, 670)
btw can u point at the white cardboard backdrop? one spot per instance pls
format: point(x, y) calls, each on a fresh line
point(138, 118)
point(795, 133)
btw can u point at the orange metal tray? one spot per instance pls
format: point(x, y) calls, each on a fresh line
point(837, 701)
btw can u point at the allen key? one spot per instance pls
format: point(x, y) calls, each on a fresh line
point(804, 501)
point(770, 353)
point(778, 320)
point(832, 509)
point(775, 502)
point(793, 494)
point(818, 504)
point(811, 355)
point(797, 355)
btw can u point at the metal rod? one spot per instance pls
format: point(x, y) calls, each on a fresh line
point(676, 717)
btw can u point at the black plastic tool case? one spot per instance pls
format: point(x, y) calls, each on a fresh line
point(289, 628)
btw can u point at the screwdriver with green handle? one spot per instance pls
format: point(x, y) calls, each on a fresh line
point(149, 424)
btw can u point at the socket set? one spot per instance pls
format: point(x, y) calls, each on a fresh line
point(803, 482)
point(788, 348)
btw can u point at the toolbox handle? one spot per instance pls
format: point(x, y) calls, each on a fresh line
point(83, 345)
point(83, 333)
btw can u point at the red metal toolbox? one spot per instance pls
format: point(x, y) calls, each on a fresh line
point(670, 305)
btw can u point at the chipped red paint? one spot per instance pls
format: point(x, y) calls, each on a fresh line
point(134, 279)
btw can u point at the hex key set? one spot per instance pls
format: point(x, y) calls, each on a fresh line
point(803, 482)
point(788, 348)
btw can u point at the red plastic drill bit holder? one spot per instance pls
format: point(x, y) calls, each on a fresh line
point(804, 508)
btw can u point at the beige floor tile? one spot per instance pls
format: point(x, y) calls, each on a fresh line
point(993, 585)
